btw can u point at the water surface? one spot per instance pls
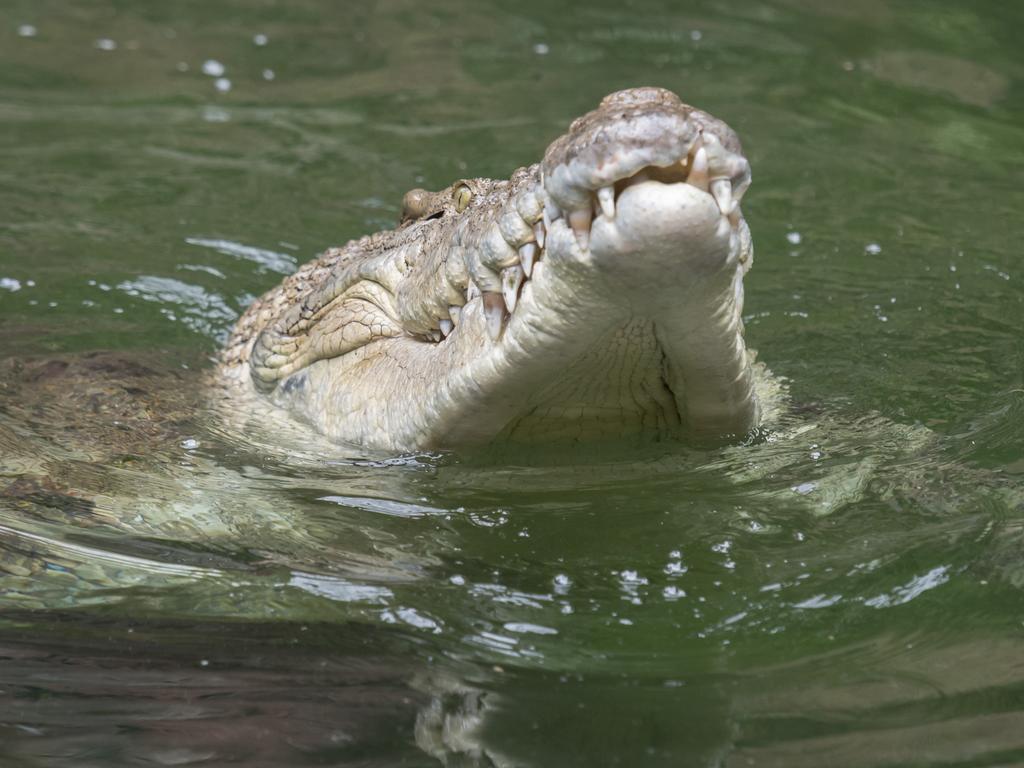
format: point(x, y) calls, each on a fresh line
point(845, 591)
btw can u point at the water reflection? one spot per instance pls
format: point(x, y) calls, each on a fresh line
point(164, 693)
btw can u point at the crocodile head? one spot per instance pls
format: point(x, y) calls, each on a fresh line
point(597, 294)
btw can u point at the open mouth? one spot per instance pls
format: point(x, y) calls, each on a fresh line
point(707, 166)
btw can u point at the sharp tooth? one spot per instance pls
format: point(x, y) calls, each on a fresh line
point(721, 189)
point(511, 280)
point(472, 291)
point(539, 233)
point(551, 212)
point(741, 186)
point(527, 254)
point(494, 314)
point(435, 335)
point(699, 170)
point(447, 326)
point(580, 223)
point(606, 197)
point(455, 313)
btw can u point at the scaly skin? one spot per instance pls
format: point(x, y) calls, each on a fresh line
point(596, 294)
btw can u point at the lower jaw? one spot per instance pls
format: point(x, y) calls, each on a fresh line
point(629, 375)
point(664, 368)
point(622, 382)
point(612, 390)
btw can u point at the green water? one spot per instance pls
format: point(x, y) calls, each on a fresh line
point(845, 592)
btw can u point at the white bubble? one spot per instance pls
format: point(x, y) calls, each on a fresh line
point(541, 49)
point(27, 30)
point(268, 74)
point(10, 284)
point(182, 66)
point(696, 35)
point(793, 237)
point(673, 593)
point(213, 68)
point(562, 584)
point(222, 84)
point(189, 443)
point(259, 39)
point(873, 249)
point(106, 44)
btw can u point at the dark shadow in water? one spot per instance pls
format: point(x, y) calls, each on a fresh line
point(112, 693)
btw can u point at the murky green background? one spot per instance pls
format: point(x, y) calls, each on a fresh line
point(844, 593)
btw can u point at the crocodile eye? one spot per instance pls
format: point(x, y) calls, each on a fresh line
point(462, 196)
point(414, 204)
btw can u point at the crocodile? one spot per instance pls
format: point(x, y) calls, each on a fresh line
point(594, 295)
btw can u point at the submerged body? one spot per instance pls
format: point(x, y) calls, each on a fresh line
point(597, 294)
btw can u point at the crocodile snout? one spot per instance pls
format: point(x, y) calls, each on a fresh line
point(635, 136)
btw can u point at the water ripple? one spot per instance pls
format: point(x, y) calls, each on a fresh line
point(282, 263)
point(194, 306)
